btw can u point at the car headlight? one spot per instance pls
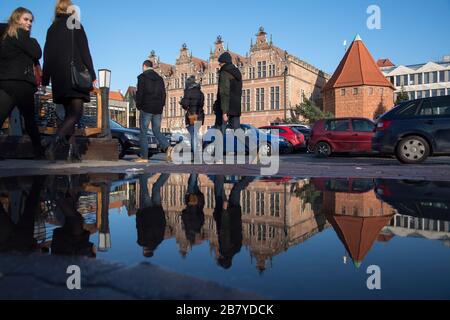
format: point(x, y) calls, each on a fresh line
point(130, 136)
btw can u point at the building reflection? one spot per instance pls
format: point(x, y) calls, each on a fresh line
point(266, 217)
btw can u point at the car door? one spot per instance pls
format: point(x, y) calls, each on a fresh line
point(338, 133)
point(362, 134)
point(435, 117)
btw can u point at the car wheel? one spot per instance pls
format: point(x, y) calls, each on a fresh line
point(413, 150)
point(122, 151)
point(322, 150)
point(265, 150)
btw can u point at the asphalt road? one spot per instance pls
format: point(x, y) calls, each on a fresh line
point(296, 165)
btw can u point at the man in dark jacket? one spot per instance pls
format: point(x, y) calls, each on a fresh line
point(193, 216)
point(2, 29)
point(150, 218)
point(150, 100)
point(228, 217)
point(228, 105)
point(193, 103)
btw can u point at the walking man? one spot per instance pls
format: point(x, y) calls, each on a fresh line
point(150, 101)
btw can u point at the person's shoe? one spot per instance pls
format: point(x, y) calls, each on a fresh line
point(141, 160)
point(74, 154)
point(56, 144)
point(169, 154)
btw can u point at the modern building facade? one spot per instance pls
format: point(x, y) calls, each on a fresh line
point(431, 79)
point(358, 88)
point(274, 82)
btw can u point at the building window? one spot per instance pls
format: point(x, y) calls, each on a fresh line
point(426, 93)
point(355, 91)
point(419, 94)
point(260, 99)
point(342, 92)
point(275, 98)
point(397, 81)
point(427, 78)
point(260, 206)
point(441, 92)
point(370, 91)
point(262, 69)
point(209, 103)
point(246, 100)
point(434, 93)
point(275, 205)
point(419, 78)
point(217, 75)
point(392, 80)
point(434, 77)
point(272, 70)
point(382, 91)
point(412, 95)
point(442, 76)
point(251, 73)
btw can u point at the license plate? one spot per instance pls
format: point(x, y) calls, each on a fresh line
point(153, 146)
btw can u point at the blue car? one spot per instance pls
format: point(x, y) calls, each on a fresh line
point(266, 148)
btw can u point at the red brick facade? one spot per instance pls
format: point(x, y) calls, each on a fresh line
point(263, 71)
point(358, 88)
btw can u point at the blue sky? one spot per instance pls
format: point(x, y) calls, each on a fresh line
point(122, 33)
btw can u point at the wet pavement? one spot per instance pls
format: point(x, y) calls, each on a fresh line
point(189, 236)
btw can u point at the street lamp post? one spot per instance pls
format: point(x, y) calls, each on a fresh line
point(104, 76)
point(285, 92)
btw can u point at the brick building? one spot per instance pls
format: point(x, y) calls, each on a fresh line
point(265, 69)
point(358, 88)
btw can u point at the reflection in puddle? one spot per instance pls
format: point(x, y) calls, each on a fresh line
point(235, 222)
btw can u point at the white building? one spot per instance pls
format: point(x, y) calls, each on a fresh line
point(431, 79)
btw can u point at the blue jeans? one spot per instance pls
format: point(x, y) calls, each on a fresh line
point(155, 120)
point(194, 138)
point(153, 200)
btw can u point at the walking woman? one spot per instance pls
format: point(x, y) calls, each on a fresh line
point(193, 103)
point(67, 49)
point(18, 55)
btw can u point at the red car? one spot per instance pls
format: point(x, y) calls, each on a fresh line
point(295, 138)
point(342, 135)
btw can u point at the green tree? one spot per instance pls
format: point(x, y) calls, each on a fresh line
point(402, 96)
point(308, 111)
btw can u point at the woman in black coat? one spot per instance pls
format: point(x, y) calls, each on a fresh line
point(193, 103)
point(64, 45)
point(18, 55)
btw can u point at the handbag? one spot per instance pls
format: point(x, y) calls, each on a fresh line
point(192, 118)
point(81, 80)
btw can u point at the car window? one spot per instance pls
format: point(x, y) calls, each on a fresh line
point(408, 109)
point(115, 125)
point(338, 185)
point(338, 125)
point(435, 107)
point(363, 126)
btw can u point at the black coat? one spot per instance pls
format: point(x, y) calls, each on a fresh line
point(151, 227)
point(58, 57)
point(151, 93)
point(193, 103)
point(18, 57)
point(234, 76)
point(2, 29)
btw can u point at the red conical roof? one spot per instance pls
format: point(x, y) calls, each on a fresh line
point(357, 68)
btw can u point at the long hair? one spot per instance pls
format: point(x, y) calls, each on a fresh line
point(14, 22)
point(62, 7)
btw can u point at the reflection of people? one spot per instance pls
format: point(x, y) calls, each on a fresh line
point(228, 216)
point(71, 238)
point(19, 52)
point(20, 236)
point(150, 218)
point(193, 216)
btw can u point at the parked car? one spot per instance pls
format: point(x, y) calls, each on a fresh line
point(353, 135)
point(350, 185)
point(266, 149)
point(415, 130)
point(295, 138)
point(129, 141)
point(419, 199)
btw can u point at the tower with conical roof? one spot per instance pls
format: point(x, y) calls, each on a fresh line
point(358, 88)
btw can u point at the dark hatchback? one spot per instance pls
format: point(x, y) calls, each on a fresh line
point(129, 141)
point(415, 130)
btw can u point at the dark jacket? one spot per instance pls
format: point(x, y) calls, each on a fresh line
point(58, 56)
point(2, 29)
point(151, 93)
point(18, 57)
point(230, 91)
point(193, 216)
point(151, 227)
point(193, 103)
